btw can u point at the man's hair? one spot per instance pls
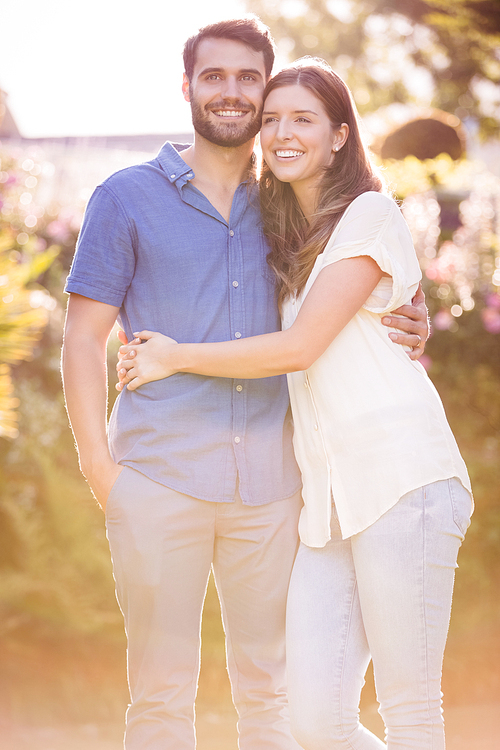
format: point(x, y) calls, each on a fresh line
point(248, 30)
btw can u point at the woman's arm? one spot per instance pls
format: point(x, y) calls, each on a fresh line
point(335, 297)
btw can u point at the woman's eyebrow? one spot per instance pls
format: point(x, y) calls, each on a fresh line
point(295, 112)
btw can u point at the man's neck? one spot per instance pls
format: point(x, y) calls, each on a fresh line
point(218, 170)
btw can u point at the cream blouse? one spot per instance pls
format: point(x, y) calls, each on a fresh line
point(369, 424)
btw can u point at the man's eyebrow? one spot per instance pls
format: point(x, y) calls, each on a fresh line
point(242, 71)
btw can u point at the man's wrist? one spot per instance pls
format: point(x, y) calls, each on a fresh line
point(96, 463)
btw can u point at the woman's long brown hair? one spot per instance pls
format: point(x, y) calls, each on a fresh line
point(295, 244)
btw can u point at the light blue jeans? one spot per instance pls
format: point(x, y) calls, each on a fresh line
point(383, 594)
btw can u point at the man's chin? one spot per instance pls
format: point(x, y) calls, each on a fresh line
point(228, 142)
point(227, 135)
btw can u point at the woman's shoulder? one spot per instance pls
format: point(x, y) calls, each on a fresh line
point(368, 213)
point(371, 200)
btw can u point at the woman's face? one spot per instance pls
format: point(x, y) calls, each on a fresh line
point(297, 137)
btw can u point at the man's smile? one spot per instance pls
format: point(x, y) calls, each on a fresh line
point(229, 113)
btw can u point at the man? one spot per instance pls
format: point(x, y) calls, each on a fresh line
point(200, 471)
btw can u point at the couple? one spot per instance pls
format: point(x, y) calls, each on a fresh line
point(201, 471)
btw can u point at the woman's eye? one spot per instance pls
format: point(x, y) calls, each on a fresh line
point(267, 120)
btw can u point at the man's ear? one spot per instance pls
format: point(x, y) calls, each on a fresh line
point(185, 87)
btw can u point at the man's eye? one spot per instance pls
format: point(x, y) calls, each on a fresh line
point(248, 78)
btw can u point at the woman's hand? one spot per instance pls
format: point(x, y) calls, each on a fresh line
point(144, 359)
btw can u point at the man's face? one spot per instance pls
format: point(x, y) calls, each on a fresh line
point(226, 92)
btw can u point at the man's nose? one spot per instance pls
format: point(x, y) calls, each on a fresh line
point(230, 88)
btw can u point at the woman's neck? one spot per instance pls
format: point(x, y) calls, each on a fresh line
point(308, 199)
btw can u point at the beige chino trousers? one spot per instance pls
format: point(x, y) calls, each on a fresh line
point(163, 545)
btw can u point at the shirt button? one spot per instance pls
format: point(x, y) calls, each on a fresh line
point(172, 176)
point(235, 284)
point(237, 335)
point(305, 384)
point(189, 176)
point(231, 233)
point(239, 388)
point(315, 426)
point(237, 439)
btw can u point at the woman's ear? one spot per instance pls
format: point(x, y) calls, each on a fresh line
point(340, 137)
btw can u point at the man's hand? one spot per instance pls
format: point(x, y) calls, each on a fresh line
point(143, 360)
point(101, 478)
point(414, 324)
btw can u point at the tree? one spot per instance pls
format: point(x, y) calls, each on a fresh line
point(440, 52)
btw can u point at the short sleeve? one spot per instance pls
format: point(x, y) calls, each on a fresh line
point(373, 225)
point(104, 262)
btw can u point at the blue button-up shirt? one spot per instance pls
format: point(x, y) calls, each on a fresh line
point(153, 245)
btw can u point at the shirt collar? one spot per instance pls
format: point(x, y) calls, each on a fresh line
point(173, 165)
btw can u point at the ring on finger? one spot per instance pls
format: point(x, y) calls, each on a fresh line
point(419, 341)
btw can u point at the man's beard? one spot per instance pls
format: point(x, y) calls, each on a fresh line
point(226, 133)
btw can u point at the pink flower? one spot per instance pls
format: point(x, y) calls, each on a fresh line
point(442, 320)
point(58, 231)
point(491, 319)
point(425, 361)
point(493, 300)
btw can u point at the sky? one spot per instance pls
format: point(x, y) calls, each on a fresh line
point(100, 67)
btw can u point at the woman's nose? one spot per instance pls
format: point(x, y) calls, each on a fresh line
point(284, 131)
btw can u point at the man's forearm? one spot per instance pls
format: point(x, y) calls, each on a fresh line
point(85, 389)
point(88, 325)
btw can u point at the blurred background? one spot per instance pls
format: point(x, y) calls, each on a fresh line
point(87, 89)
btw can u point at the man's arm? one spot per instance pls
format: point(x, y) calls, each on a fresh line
point(414, 325)
point(86, 332)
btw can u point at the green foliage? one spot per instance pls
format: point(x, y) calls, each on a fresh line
point(453, 210)
point(392, 51)
point(20, 322)
point(23, 260)
point(454, 213)
point(8, 404)
point(412, 176)
point(466, 371)
point(53, 554)
point(54, 559)
point(20, 328)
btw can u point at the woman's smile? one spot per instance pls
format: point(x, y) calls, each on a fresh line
point(282, 154)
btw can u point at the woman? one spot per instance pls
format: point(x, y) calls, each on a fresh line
point(374, 573)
